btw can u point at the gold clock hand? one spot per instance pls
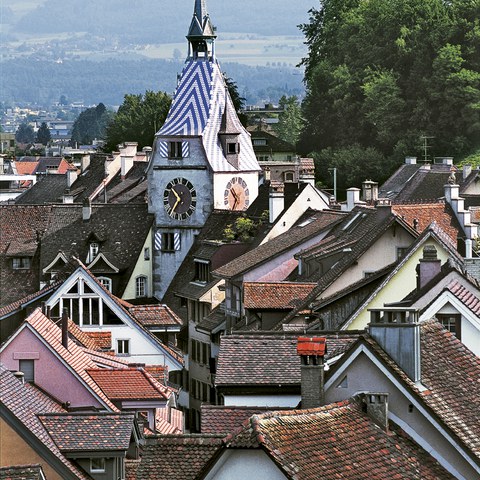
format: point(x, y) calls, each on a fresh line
point(178, 199)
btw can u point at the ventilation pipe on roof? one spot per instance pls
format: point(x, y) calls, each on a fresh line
point(65, 328)
point(375, 405)
point(87, 209)
point(467, 170)
point(429, 266)
point(84, 162)
point(353, 197)
point(71, 177)
point(312, 352)
point(20, 376)
point(276, 200)
point(369, 191)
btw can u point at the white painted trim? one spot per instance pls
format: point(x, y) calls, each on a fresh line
point(448, 297)
point(102, 256)
point(412, 398)
point(60, 255)
point(426, 446)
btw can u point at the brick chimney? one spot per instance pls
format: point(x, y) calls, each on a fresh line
point(311, 352)
point(65, 328)
point(429, 266)
point(375, 405)
point(397, 331)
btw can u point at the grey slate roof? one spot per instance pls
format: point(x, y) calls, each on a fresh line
point(268, 358)
point(48, 189)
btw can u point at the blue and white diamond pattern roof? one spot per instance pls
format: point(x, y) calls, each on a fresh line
point(197, 110)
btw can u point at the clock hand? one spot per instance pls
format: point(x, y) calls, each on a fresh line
point(178, 200)
point(235, 198)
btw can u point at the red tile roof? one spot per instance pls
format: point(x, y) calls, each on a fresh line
point(74, 356)
point(82, 432)
point(451, 372)
point(426, 213)
point(311, 346)
point(177, 457)
point(131, 384)
point(275, 295)
point(155, 315)
point(336, 441)
point(169, 421)
point(465, 296)
point(101, 340)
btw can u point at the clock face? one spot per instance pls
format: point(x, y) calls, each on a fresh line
point(180, 198)
point(236, 195)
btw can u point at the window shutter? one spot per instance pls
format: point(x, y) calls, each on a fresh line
point(158, 240)
point(163, 149)
point(28, 369)
point(185, 149)
point(176, 241)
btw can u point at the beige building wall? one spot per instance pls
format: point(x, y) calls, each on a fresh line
point(143, 267)
point(14, 450)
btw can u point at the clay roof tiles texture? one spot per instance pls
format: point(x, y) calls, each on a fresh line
point(451, 373)
point(155, 315)
point(25, 402)
point(22, 472)
point(81, 432)
point(465, 296)
point(268, 359)
point(275, 295)
point(177, 457)
point(336, 441)
point(130, 383)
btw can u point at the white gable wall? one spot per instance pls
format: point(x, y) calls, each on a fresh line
point(242, 464)
point(365, 373)
point(289, 401)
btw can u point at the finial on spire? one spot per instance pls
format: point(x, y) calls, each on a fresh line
point(201, 34)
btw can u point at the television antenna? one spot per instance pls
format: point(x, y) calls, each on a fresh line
point(425, 147)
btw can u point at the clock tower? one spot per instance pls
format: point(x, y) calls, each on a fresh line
point(203, 157)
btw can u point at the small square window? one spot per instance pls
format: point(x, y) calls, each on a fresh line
point(123, 347)
point(175, 150)
point(233, 148)
point(21, 263)
point(106, 282)
point(97, 465)
point(202, 271)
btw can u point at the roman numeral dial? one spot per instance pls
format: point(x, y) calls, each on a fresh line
point(180, 199)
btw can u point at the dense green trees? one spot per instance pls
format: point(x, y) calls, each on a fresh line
point(382, 73)
point(138, 119)
point(43, 134)
point(24, 133)
point(91, 124)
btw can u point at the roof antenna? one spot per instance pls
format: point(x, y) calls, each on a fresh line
point(426, 146)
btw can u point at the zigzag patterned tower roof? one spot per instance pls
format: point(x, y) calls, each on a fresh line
point(197, 109)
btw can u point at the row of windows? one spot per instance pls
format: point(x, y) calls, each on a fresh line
point(200, 352)
point(200, 390)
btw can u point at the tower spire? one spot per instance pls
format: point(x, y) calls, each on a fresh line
point(201, 34)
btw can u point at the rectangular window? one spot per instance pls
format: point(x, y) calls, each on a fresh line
point(401, 252)
point(257, 142)
point(233, 148)
point(21, 263)
point(146, 253)
point(202, 271)
point(452, 323)
point(171, 242)
point(27, 367)
point(140, 287)
point(97, 465)
point(175, 150)
point(123, 347)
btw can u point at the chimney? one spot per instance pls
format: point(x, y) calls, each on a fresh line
point(20, 376)
point(397, 331)
point(467, 170)
point(84, 163)
point(276, 200)
point(353, 197)
point(410, 160)
point(87, 209)
point(71, 177)
point(311, 352)
point(65, 328)
point(369, 191)
point(375, 405)
point(128, 151)
point(429, 266)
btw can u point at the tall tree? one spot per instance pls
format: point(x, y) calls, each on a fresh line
point(138, 119)
point(43, 134)
point(290, 121)
point(380, 74)
point(24, 133)
point(237, 99)
point(91, 124)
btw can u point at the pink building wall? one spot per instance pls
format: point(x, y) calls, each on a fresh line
point(50, 373)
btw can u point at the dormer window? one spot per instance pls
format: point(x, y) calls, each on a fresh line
point(21, 263)
point(97, 465)
point(93, 251)
point(175, 150)
point(259, 142)
point(233, 148)
point(202, 271)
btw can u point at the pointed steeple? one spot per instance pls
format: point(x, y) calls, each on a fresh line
point(201, 34)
